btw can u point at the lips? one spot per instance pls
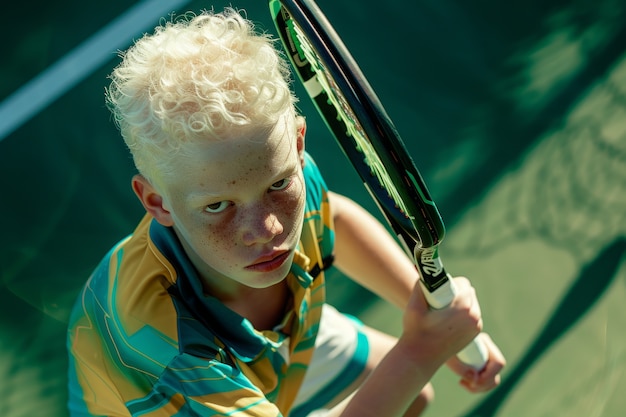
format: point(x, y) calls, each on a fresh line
point(270, 262)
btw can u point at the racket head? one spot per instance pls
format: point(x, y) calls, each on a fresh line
point(354, 114)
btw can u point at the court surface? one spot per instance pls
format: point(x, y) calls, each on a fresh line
point(516, 116)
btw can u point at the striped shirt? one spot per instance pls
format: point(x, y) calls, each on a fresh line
point(144, 340)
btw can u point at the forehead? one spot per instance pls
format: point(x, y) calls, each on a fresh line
point(245, 157)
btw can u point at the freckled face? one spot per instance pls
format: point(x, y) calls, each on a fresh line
point(238, 207)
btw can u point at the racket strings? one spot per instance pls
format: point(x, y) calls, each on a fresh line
point(353, 128)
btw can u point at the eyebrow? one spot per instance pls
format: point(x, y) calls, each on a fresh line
point(205, 195)
point(284, 171)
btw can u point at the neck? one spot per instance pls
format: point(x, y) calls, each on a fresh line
point(263, 307)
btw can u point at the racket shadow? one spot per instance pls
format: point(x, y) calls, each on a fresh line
point(588, 288)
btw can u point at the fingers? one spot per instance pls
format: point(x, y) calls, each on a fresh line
point(467, 294)
point(486, 379)
point(466, 302)
point(443, 332)
point(450, 329)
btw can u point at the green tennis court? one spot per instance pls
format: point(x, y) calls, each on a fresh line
point(516, 116)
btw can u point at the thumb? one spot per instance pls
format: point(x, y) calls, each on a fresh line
point(417, 300)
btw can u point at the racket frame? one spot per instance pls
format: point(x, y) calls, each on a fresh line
point(415, 218)
point(419, 227)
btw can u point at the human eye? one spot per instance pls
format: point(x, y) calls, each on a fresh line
point(218, 207)
point(280, 185)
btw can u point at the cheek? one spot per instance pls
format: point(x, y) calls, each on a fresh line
point(212, 242)
point(292, 209)
point(216, 238)
point(222, 237)
point(217, 247)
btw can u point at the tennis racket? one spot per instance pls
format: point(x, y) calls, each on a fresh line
point(368, 138)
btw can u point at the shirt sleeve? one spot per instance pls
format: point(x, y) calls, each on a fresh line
point(316, 188)
point(318, 209)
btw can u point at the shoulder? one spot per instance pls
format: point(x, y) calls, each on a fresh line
point(316, 188)
point(126, 302)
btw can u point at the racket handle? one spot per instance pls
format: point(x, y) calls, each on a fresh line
point(475, 353)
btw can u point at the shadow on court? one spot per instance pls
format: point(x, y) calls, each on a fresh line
point(587, 289)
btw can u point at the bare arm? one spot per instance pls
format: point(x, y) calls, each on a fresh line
point(429, 338)
point(368, 254)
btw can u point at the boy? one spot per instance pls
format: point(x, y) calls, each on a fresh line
point(215, 304)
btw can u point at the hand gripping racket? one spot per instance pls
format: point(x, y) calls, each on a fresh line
point(369, 139)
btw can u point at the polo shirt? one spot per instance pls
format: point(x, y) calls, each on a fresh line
point(143, 338)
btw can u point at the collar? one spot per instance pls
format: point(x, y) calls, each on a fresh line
point(234, 331)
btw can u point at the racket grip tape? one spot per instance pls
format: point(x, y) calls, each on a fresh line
point(475, 354)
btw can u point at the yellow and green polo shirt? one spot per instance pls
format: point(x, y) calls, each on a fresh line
point(144, 340)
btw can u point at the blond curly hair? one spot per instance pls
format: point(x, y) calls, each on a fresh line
point(196, 79)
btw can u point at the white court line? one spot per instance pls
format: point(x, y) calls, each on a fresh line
point(64, 74)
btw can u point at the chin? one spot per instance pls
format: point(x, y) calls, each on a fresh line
point(268, 279)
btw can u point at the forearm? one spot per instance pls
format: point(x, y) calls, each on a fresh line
point(391, 388)
point(368, 254)
point(428, 339)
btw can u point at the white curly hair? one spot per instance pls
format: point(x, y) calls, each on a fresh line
point(196, 78)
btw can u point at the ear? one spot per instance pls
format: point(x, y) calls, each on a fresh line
point(301, 133)
point(152, 200)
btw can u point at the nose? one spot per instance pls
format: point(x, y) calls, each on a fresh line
point(260, 226)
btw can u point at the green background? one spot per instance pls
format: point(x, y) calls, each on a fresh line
point(514, 111)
